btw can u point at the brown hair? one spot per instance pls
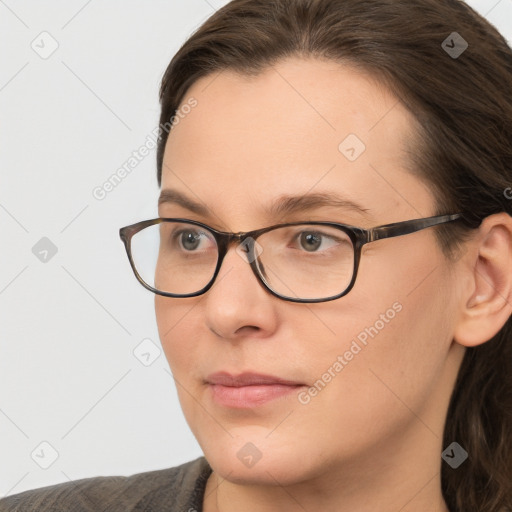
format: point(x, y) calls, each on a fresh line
point(462, 149)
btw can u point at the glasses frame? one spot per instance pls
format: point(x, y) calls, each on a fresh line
point(224, 240)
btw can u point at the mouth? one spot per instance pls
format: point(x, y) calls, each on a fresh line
point(248, 390)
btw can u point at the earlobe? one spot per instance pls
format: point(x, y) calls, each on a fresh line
point(488, 303)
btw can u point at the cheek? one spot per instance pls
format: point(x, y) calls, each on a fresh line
point(393, 333)
point(175, 327)
point(178, 331)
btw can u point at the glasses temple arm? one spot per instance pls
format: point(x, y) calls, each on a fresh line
point(408, 226)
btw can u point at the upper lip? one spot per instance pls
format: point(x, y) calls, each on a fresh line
point(247, 379)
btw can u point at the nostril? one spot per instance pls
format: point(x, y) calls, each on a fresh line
point(249, 328)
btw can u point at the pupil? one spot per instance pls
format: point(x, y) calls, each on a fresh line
point(312, 241)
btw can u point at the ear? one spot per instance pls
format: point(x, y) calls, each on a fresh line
point(486, 299)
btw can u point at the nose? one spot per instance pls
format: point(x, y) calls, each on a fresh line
point(237, 304)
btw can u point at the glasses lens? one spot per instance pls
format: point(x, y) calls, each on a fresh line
point(175, 257)
point(306, 261)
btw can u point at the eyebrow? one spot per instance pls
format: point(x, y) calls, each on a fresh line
point(281, 206)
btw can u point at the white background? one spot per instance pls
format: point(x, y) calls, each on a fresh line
point(69, 326)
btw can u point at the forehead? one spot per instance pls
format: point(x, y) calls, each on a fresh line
point(298, 126)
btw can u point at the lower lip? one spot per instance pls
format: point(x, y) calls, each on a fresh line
point(249, 396)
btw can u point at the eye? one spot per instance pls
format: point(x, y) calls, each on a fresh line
point(191, 239)
point(313, 241)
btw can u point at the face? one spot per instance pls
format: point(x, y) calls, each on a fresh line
point(362, 363)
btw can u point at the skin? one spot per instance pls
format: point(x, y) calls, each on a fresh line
point(372, 438)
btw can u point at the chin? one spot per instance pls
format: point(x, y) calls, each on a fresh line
point(258, 461)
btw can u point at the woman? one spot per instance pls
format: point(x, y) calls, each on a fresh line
point(333, 280)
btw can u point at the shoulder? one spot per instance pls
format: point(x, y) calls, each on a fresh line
point(178, 488)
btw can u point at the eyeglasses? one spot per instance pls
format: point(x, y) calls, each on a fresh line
point(297, 262)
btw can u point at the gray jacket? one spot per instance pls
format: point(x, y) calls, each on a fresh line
point(177, 489)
